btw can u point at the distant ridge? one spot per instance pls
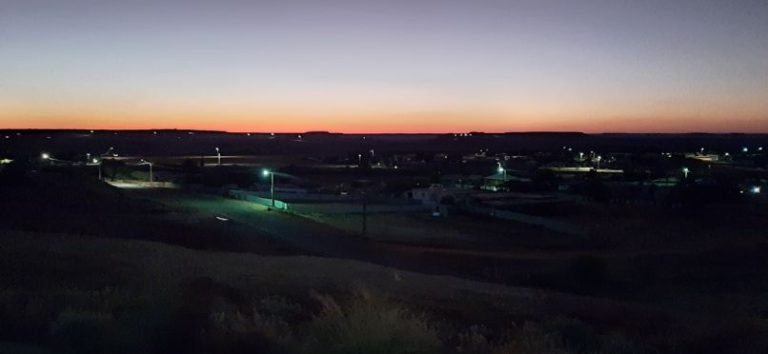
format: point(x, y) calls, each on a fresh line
point(551, 133)
point(128, 131)
point(560, 134)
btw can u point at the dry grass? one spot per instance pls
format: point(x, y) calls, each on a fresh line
point(89, 294)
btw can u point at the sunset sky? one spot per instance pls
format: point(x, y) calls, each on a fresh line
point(385, 66)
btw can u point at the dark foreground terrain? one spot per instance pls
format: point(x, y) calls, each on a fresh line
point(89, 268)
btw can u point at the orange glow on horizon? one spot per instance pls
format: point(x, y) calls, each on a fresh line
point(419, 123)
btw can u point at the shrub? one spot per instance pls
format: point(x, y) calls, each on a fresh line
point(84, 331)
point(530, 339)
point(369, 324)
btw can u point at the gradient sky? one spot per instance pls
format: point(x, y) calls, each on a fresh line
point(386, 66)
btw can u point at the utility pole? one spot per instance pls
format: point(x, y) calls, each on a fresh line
point(365, 214)
point(272, 188)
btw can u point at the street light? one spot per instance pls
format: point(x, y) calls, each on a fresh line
point(108, 153)
point(218, 155)
point(686, 171)
point(151, 176)
point(48, 157)
point(265, 172)
point(96, 162)
point(502, 170)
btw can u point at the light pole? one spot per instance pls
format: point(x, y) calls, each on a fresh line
point(686, 171)
point(96, 162)
point(503, 171)
point(271, 175)
point(598, 161)
point(108, 152)
point(359, 160)
point(47, 157)
point(365, 213)
point(151, 176)
point(218, 156)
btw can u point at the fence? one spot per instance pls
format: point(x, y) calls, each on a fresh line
point(126, 183)
point(252, 197)
point(546, 223)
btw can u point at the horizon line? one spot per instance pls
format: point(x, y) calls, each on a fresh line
point(209, 131)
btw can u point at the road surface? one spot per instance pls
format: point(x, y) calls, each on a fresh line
point(323, 240)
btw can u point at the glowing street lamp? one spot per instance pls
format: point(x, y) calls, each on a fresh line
point(45, 156)
point(218, 155)
point(109, 152)
point(265, 172)
point(96, 162)
point(686, 171)
point(502, 170)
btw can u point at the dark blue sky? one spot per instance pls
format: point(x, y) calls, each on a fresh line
point(418, 65)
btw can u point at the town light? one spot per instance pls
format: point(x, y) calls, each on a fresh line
point(45, 156)
point(265, 172)
point(755, 190)
point(686, 171)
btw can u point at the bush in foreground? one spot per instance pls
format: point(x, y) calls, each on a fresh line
point(369, 324)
